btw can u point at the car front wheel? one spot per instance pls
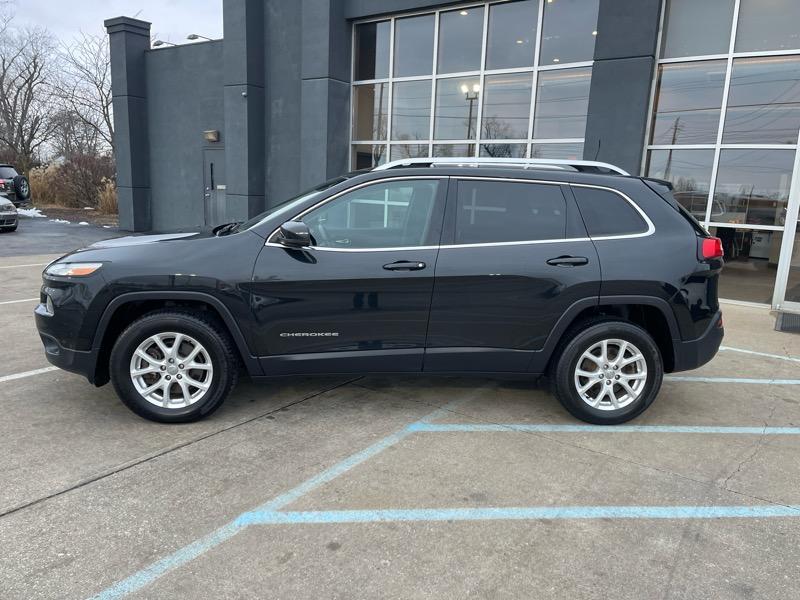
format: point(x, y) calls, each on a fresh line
point(608, 373)
point(172, 366)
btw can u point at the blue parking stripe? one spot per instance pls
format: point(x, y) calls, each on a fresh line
point(551, 428)
point(522, 513)
point(744, 380)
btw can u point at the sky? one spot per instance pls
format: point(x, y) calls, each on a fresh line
point(172, 20)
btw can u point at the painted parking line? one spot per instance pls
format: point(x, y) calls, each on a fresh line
point(5, 378)
point(20, 266)
point(19, 301)
point(745, 380)
point(764, 354)
point(552, 428)
point(518, 514)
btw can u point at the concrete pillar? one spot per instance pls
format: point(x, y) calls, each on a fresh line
point(624, 63)
point(324, 91)
point(244, 133)
point(129, 39)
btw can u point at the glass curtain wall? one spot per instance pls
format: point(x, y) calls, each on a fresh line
point(724, 130)
point(500, 79)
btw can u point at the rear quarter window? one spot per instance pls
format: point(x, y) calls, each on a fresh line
point(606, 213)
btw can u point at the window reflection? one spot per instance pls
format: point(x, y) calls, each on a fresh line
point(689, 172)
point(411, 110)
point(562, 102)
point(460, 39)
point(570, 151)
point(693, 28)
point(751, 258)
point(507, 150)
point(688, 102)
point(454, 150)
point(793, 284)
point(768, 25)
point(372, 50)
point(370, 110)
point(456, 112)
point(512, 34)
point(401, 151)
point(569, 31)
point(368, 156)
point(506, 106)
point(753, 186)
point(764, 101)
point(413, 46)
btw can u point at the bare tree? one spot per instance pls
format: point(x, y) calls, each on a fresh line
point(26, 98)
point(85, 85)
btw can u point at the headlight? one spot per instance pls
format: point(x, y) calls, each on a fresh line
point(72, 269)
point(7, 208)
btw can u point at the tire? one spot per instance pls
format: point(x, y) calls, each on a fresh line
point(605, 403)
point(216, 359)
point(8, 229)
point(22, 187)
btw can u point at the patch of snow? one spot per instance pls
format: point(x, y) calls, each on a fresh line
point(61, 221)
point(83, 223)
point(31, 213)
point(106, 226)
point(88, 208)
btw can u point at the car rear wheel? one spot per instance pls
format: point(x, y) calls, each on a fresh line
point(172, 366)
point(608, 372)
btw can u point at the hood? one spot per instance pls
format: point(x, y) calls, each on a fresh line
point(141, 240)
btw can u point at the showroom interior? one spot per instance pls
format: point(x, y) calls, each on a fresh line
point(704, 94)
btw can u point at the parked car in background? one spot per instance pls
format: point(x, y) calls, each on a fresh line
point(492, 267)
point(8, 214)
point(15, 186)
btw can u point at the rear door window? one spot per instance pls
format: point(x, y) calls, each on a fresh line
point(606, 213)
point(506, 211)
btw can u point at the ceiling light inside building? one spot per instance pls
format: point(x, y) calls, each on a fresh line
point(463, 13)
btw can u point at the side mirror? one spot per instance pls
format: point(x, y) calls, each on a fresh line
point(294, 234)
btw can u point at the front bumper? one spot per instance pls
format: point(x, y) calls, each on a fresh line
point(8, 219)
point(695, 353)
point(76, 361)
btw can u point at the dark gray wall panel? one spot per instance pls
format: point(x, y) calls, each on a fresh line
point(618, 103)
point(283, 27)
point(359, 9)
point(186, 99)
point(627, 28)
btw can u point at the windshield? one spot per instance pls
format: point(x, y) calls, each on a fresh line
point(287, 205)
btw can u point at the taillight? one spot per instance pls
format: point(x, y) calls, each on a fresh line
point(711, 247)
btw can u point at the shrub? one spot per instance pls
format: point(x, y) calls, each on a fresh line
point(107, 199)
point(82, 180)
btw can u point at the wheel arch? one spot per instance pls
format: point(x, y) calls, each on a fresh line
point(652, 314)
point(125, 308)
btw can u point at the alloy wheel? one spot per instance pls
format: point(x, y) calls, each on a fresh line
point(171, 370)
point(610, 374)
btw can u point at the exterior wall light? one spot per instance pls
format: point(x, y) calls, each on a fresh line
point(211, 135)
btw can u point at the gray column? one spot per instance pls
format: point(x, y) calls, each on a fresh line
point(324, 91)
point(129, 39)
point(621, 82)
point(244, 132)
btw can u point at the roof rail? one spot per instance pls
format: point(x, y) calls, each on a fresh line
point(525, 163)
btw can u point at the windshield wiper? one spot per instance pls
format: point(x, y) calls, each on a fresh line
point(227, 228)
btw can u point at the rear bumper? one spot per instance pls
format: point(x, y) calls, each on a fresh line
point(695, 353)
point(74, 361)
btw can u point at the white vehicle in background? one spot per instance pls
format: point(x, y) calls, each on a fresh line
point(8, 214)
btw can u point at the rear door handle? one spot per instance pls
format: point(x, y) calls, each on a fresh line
point(405, 265)
point(568, 261)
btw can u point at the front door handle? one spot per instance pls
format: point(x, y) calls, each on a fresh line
point(405, 265)
point(568, 261)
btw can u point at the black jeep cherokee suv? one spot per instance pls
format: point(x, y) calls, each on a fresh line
point(600, 280)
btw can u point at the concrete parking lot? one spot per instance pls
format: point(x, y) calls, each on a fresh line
point(399, 487)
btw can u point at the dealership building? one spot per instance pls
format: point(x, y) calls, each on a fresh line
point(705, 94)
